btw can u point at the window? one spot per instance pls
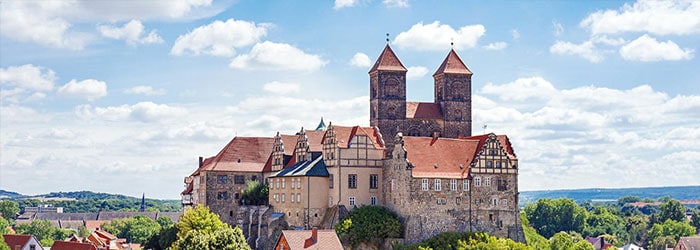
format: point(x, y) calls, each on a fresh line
point(465, 185)
point(352, 181)
point(393, 184)
point(236, 196)
point(293, 183)
point(292, 198)
point(283, 198)
point(424, 187)
point(458, 200)
point(441, 201)
point(504, 203)
point(283, 183)
point(453, 184)
point(253, 177)
point(373, 201)
point(299, 197)
point(494, 202)
point(438, 185)
point(222, 195)
point(502, 184)
point(352, 201)
point(477, 181)
point(32, 247)
point(276, 197)
point(499, 164)
point(299, 182)
point(330, 201)
point(221, 179)
point(330, 181)
point(373, 181)
point(487, 181)
point(489, 164)
point(239, 179)
point(277, 183)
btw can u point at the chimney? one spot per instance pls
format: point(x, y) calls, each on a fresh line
point(435, 138)
point(314, 234)
point(201, 161)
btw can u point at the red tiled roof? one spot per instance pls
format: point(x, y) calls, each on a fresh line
point(452, 156)
point(242, 154)
point(290, 142)
point(188, 189)
point(345, 134)
point(204, 163)
point(503, 139)
point(315, 137)
point(94, 224)
point(453, 65)
point(423, 110)
point(65, 245)
point(388, 61)
point(327, 239)
point(14, 240)
point(690, 242)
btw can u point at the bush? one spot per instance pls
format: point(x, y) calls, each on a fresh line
point(369, 224)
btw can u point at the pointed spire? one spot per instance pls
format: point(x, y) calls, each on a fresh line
point(321, 125)
point(387, 61)
point(143, 203)
point(453, 65)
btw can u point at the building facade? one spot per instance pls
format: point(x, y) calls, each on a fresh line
point(431, 170)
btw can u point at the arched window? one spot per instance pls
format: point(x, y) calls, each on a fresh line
point(458, 115)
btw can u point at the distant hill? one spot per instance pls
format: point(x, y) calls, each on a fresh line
point(9, 194)
point(678, 193)
point(87, 201)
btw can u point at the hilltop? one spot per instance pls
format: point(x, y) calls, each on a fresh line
point(678, 193)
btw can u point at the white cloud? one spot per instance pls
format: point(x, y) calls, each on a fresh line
point(277, 56)
point(656, 17)
point(142, 111)
point(496, 46)
point(586, 50)
point(339, 4)
point(648, 49)
point(89, 89)
point(521, 89)
point(436, 36)
point(558, 28)
point(276, 87)
point(145, 90)
point(360, 60)
point(608, 41)
point(132, 32)
point(53, 23)
point(515, 34)
point(416, 72)
point(28, 77)
point(219, 38)
point(396, 3)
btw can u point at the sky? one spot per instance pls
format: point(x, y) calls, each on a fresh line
point(124, 96)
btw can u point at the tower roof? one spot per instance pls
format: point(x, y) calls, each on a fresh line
point(388, 61)
point(453, 65)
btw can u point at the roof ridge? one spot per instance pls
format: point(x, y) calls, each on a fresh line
point(453, 64)
point(388, 60)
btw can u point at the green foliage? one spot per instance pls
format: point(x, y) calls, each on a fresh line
point(4, 224)
point(602, 221)
point(532, 238)
point(662, 243)
point(465, 241)
point(369, 224)
point(550, 216)
point(43, 231)
point(636, 229)
point(82, 231)
point(8, 209)
point(255, 193)
point(582, 245)
point(672, 209)
point(561, 241)
point(164, 239)
point(695, 221)
point(200, 229)
point(4, 246)
point(628, 199)
point(139, 229)
point(89, 202)
point(675, 229)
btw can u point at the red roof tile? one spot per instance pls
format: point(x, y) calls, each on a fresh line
point(388, 61)
point(345, 134)
point(65, 245)
point(242, 154)
point(452, 156)
point(327, 239)
point(289, 142)
point(503, 139)
point(423, 110)
point(14, 240)
point(188, 189)
point(315, 137)
point(94, 224)
point(453, 65)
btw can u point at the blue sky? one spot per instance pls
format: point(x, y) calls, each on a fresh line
point(123, 98)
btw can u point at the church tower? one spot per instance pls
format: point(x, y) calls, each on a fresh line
point(387, 93)
point(453, 84)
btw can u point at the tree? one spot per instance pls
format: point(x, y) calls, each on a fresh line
point(636, 229)
point(582, 245)
point(675, 229)
point(549, 216)
point(602, 221)
point(255, 193)
point(44, 231)
point(662, 243)
point(561, 241)
point(465, 241)
point(628, 199)
point(695, 221)
point(9, 209)
point(532, 238)
point(3, 245)
point(139, 229)
point(4, 224)
point(369, 224)
point(200, 229)
point(673, 210)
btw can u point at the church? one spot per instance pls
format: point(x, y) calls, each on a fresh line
point(419, 159)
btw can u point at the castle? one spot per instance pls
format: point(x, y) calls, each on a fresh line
point(418, 159)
